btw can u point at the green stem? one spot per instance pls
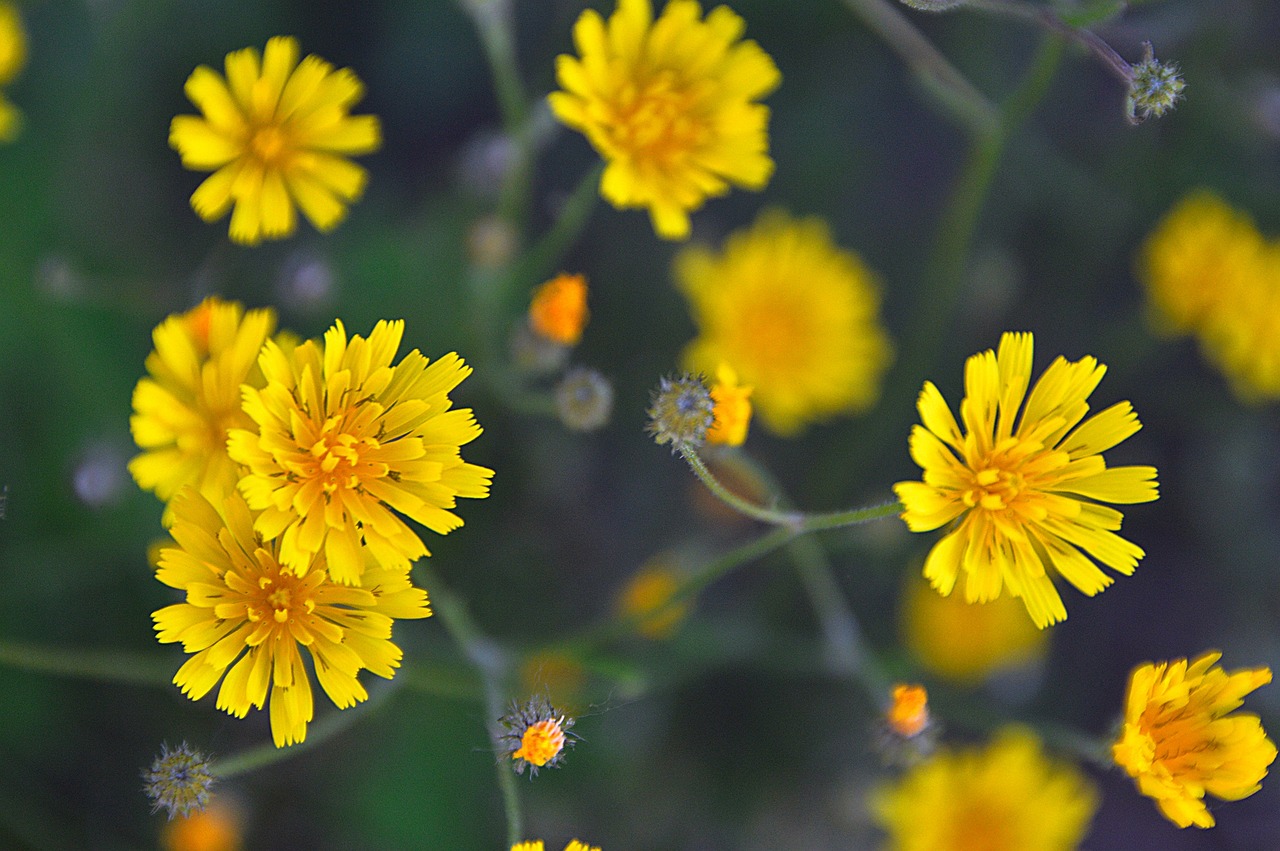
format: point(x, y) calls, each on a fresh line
point(1044, 17)
point(953, 90)
point(790, 519)
point(110, 666)
point(319, 732)
point(493, 663)
point(538, 262)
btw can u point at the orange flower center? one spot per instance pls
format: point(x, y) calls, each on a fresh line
point(270, 145)
point(658, 123)
point(909, 713)
point(1004, 478)
point(338, 458)
point(982, 826)
point(541, 742)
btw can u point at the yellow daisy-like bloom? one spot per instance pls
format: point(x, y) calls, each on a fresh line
point(967, 642)
point(183, 410)
point(796, 316)
point(341, 436)
point(1182, 737)
point(13, 54)
point(537, 845)
point(670, 106)
point(1194, 259)
point(1021, 496)
point(1008, 796)
point(732, 409)
point(558, 310)
point(275, 132)
point(246, 613)
point(1242, 336)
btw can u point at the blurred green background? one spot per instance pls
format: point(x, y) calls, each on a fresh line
point(730, 736)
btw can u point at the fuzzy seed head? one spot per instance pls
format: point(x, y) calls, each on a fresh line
point(681, 412)
point(179, 781)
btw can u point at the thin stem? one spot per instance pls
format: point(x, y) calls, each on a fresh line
point(1044, 16)
point(110, 666)
point(319, 732)
point(791, 519)
point(493, 663)
point(852, 517)
point(538, 261)
point(972, 108)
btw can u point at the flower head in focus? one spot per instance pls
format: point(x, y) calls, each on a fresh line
point(794, 314)
point(967, 642)
point(682, 412)
point(190, 399)
point(1017, 487)
point(179, 780)
point(1182, 737)
point(341, 437)
point(558, 309)
point(1154, 88)
point(1008, 796)
point(670, 105)
point(537, 735)
point(275, 132)
point(13, 54)
point(732, 409)
point(247, 614)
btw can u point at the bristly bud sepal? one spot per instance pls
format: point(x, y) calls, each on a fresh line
point(682, 412)
point(1154, 88)
point(179, 780)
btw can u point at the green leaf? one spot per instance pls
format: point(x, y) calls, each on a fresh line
point(1090, 13)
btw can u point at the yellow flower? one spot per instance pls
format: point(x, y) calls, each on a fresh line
point(1006, 797)
point(669, 105)
point(246, 614)
point(967, 642)
point(1242, 335)
point(646, 597)
point(536, 845)
point(219, 827)
point(342, 435)
point(536, 735)
point(275, 132)
point(1020, 499)
point(1182, 737)
point(13, 54)
point(558, 310)
point(183, 410)
point(794, 314)
point(1192, 261)
point(732, 411)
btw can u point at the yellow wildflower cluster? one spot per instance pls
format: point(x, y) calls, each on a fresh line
point(13, 54)
point(1208, 271)
point(283, 467)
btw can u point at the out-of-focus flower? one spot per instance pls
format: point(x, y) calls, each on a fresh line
point(536, 734)
point(669, 105)
point(340, 435)
point(1182, 737)
point(275, 132)
point(183, 410)
point(794, 314)
point(967, 642)
point(179, 780)
point(537, 845)
point(647, 597)
point(584, 399)
point(1008, 796)
point(558, 309)
point(682, 412)
point(732, 409)
point(216, 828)
point(908, 712)
point(1017, 488)
point(13, 54)
point(246, 614)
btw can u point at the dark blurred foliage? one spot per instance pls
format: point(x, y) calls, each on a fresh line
point(729, 736)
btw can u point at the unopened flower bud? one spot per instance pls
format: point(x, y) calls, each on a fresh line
point(1154, 88)
point(681, 412)
point(584, 399)
point(179, 780)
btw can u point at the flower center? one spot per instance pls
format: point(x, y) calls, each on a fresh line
point(779, 333)
point(338, 456)
point(658, 122)
point(281, 597)
point(541, 742)
point(270, 145)
point(1002, 479)
point(982, 826)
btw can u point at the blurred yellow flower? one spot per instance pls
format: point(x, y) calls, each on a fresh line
point(246, 613)
point(908, 712)
point(340, 436)
point(275, 132)
point(13, 54)
point(794, 314)
point(646, 597)
point(558, 310)
point(1209, 271)
point(217, 828)
point(967, 642)
point(191, 398)
point(732, 409)
point(669, 105)
point(1018, 501)
point(1008, 796)
point(537, 845)
point(1182, 737)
